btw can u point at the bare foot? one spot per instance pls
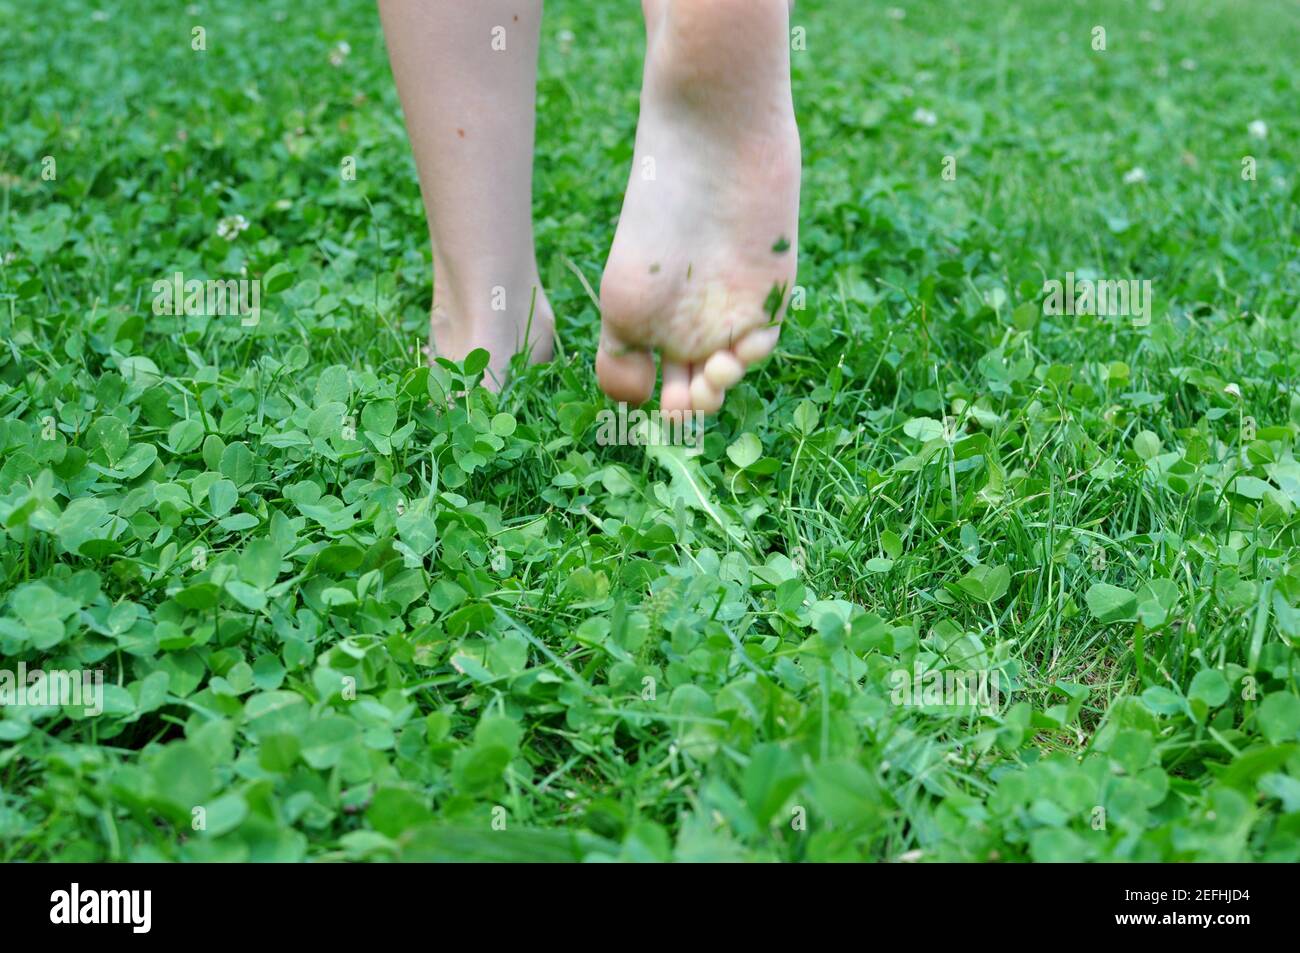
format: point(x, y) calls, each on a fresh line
point(497, 311)
point(706, 249)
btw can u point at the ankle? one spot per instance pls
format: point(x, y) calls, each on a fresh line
point(712, 50)
point(486, 293)
point(734, 22)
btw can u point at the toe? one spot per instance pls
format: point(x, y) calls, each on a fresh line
point(757, 344)
point(705, 398)
point(625, 374)
point(724, 370)
point(676, 393)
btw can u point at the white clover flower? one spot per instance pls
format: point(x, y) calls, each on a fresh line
point(1135, 175)
point(924, 117)
point(1258, 129)
point(339, 52)
point(230, 227)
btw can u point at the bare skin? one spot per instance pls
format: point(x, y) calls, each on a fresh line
point(467, 78)
point(706, 248)
point(705, 251)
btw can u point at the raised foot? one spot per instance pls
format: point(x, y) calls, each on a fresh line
point(705, 253)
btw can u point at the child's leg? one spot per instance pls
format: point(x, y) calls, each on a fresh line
point(466, 73)
point(704, 257)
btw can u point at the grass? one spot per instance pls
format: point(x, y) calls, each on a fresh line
point(336, 622)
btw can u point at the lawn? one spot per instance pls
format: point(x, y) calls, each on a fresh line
point(342, 615)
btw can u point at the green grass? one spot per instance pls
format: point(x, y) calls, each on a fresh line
point(348, 624)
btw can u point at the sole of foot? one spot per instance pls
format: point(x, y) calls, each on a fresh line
point(705, 254)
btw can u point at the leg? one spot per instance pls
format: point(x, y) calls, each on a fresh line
point(705, 253)
point(467, 77)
